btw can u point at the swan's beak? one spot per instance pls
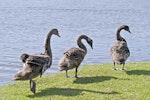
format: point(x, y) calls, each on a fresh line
point(58, 35)
point(129, 31)
point(91, 45)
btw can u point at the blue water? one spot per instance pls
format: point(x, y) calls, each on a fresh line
point(25, 23)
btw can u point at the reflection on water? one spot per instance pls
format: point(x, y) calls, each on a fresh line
point(25, 24)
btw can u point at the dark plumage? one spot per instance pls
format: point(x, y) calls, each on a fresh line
point(35, 65)
point(74, 56)
point(120, 51)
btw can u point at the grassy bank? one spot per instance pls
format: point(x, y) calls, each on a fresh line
point(99, 82)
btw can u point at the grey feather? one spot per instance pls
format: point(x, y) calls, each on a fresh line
point(73, 57)
point(120, 51)
point(37, 64)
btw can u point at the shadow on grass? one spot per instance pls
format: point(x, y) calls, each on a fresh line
point(138, 72)
point(95, 79)
point(66, 92)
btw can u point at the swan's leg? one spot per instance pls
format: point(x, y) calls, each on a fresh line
point(32, 86)
point(123, 66)
point(114, 68)
point(67, 74)
point(76, 71)
point(76, 76)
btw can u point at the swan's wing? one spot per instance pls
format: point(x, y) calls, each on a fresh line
point(24, 57)
point(39, 60)
point(39, 63)
point(71, 58)
point(75, 53)
point(23, 74)
point(113, 49)
point(125, 51)
point(119, 51)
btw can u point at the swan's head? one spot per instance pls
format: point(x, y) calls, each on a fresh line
point(24, 57)
point(55, 31)
point(90, 42)
point(125, 27)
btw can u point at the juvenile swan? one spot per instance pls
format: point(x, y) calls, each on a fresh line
point(37, 64)
point(74, 56)
point(120, 51)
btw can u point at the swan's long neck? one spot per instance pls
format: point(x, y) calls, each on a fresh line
point(80, 44)
point(48, 45)
point(118, 36)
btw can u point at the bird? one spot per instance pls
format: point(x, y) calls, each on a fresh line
point(36, 64)
point(73, 57)
point(120, 51)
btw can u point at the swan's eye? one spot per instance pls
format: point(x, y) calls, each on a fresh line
point(90, 41)
point(126, 28)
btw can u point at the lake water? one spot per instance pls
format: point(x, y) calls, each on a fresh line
point(25, 23)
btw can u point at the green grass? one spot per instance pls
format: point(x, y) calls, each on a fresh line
point(99, 82)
